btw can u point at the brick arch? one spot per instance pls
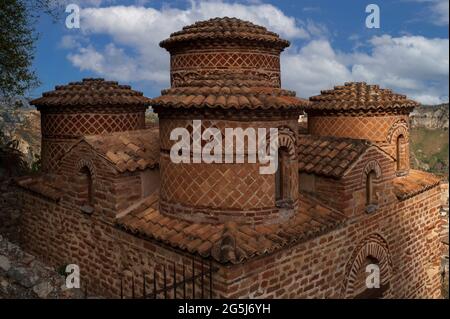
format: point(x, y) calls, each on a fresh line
point(374, 246)
point(86, 163)
point(398, 128)
point(369, 167)
point(286, 138)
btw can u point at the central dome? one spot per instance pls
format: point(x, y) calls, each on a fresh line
point(225, 29)
point(226, 63)
point(225, 73)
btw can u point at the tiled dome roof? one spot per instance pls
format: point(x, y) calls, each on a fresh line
point(228, 94)
point(224, 29)
point(92, 92)
point(359, 97)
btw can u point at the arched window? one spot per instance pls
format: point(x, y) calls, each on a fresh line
point(282, 189)
point(369, 267)
point(400, 153)
point(368, 274)
point(86, 189)
point(369, 188)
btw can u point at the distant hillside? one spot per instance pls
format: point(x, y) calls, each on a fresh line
point(429, 139)
point(430, 116)
point(22, 124)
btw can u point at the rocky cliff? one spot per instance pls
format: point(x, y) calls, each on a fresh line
point(429, 139)
point(22, 124)
point(430, 116)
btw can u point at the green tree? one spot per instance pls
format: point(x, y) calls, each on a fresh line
point(12, 162)
point(17, 43)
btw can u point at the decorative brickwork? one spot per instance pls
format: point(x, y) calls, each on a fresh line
point(225, 60)
point(93, 106)
point(121, 209)
point(62, 125)
point(373, 128)
point(372, 166)
point(375, 247)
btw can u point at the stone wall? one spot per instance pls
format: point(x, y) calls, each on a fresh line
point(10, 208)
point(23, 276)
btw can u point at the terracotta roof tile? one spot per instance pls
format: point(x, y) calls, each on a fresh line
point(328, 156)
point(44, 185)
point(224, 30)
point(92, 92)
point(414, 183)
point(239, 96)
point(128, 150)
point(358, 97)
point(229, 242)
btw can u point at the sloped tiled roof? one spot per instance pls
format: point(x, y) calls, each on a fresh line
point(229, 242)
point(232, 93)
point(130, 150)
point(224, 30)
point(359, 97)
point(328, 156)
point(414, 183)
point(92, 92)
point(44, 185)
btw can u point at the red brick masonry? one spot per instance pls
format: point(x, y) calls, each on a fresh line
point(116, 205)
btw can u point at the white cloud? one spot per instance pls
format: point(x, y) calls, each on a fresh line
point(313, 67)
point(438, 11)
point(441, 11)
point(141, 29)
point(72, 41)
point(113, 63)
point(84, 3)
point(413, 65)
point(440, 8)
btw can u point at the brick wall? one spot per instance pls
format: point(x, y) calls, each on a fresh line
point(190, 64)
point(348, 194)
point(62, 236)
point(373, 128)
point(321, 268)
point(219, 190)
point(61, 129)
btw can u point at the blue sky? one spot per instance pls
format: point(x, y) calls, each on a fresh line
point(330, 44)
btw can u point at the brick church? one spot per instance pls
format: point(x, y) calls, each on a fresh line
point(110, 199)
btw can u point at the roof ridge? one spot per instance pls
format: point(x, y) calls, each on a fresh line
point(355, 96)
point(92, 91)
point(219, 29)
